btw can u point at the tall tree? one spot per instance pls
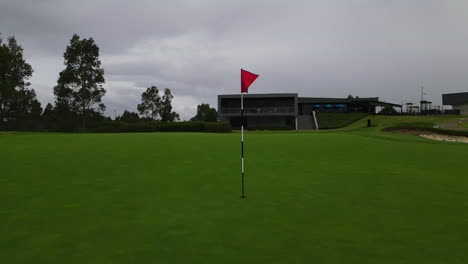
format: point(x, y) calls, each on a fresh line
point(205, 113)
point(80, 85)
point(166, 113)
point(388, 110)
point(129, 117)
point(16, 98)
point(36, 110)
point(48, 117)
point(150, 103)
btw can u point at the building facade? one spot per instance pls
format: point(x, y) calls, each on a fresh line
point(260, 110)
point(288, 110)
point(458, 101)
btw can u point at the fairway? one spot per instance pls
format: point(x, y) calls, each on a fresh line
point(313, 197)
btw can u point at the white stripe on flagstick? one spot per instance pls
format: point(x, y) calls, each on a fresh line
point(242, 133)
point(242, 164)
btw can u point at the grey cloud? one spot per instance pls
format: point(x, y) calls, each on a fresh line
point(317, 48)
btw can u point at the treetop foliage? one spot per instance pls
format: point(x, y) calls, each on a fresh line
point(17, 100)
point(78, 93)
point(80, 84)
point(205, 113)
point(150, 103)
point(155, 107)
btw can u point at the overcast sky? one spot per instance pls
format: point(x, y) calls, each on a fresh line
point(323, 48)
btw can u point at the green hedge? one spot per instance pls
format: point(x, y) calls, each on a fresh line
point(270, 128)
point(122, 127)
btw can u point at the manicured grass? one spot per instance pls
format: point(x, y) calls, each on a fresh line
point(381, 121)
point(464, 124)
point(357, 196)
point(337, 120)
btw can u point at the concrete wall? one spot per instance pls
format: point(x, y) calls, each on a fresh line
point(305, 122)
point(462, 107)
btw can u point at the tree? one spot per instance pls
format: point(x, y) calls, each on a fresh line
point(16, 99)
point(80, 85)
point(155, 107)
point(388, 110)
point(36, 110)
point(166, 107)
point(48, 117)
point(150, 103)
point(64, 118)
point(128, 117)
point(205, 113)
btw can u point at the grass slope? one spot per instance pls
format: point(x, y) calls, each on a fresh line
point(464, 124)
point(381, 121)
point(313, 197)
point(337, 120)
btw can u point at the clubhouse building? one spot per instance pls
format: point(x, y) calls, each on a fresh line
point(288, 110)
point(458, 101)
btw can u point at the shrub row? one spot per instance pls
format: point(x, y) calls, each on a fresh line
point(122, 127)
point(270, 128)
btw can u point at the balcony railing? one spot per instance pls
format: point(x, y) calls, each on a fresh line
point(260, 110)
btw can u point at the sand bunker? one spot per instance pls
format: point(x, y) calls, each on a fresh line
point(445, 138)
point(427, 133)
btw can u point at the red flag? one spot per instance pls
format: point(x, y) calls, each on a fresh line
point(247, 78)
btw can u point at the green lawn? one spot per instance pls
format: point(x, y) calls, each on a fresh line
point(358, 196)
point(337, 120)
point(381, 121)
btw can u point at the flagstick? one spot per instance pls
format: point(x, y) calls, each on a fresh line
point(247, 78)
point(242, 142)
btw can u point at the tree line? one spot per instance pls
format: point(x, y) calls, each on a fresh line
point(78, 93)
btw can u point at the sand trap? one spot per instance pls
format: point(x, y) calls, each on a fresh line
point(428, 134)
point(445, 138)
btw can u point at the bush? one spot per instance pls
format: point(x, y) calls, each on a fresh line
point(195, 127)
point(183, 127)
point(122, 127)
point(271, 128)
point(388, 110)
point(217, 127)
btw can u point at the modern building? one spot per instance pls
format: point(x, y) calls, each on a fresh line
point(458, 101)
point(288, 110)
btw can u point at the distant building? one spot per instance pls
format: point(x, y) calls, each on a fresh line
point(458, 101)
point(287, 110)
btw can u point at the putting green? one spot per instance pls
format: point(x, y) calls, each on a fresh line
point(358, 196)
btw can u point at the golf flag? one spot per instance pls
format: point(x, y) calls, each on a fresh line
point(247, 78)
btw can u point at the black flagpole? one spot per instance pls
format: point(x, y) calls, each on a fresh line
point(242, 143)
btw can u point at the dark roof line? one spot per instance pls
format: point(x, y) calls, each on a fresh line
point(379, 103)
point(258, 95)
point(335, 100)
point(455, 98)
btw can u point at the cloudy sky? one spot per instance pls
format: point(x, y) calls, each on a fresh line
point(317, 48)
